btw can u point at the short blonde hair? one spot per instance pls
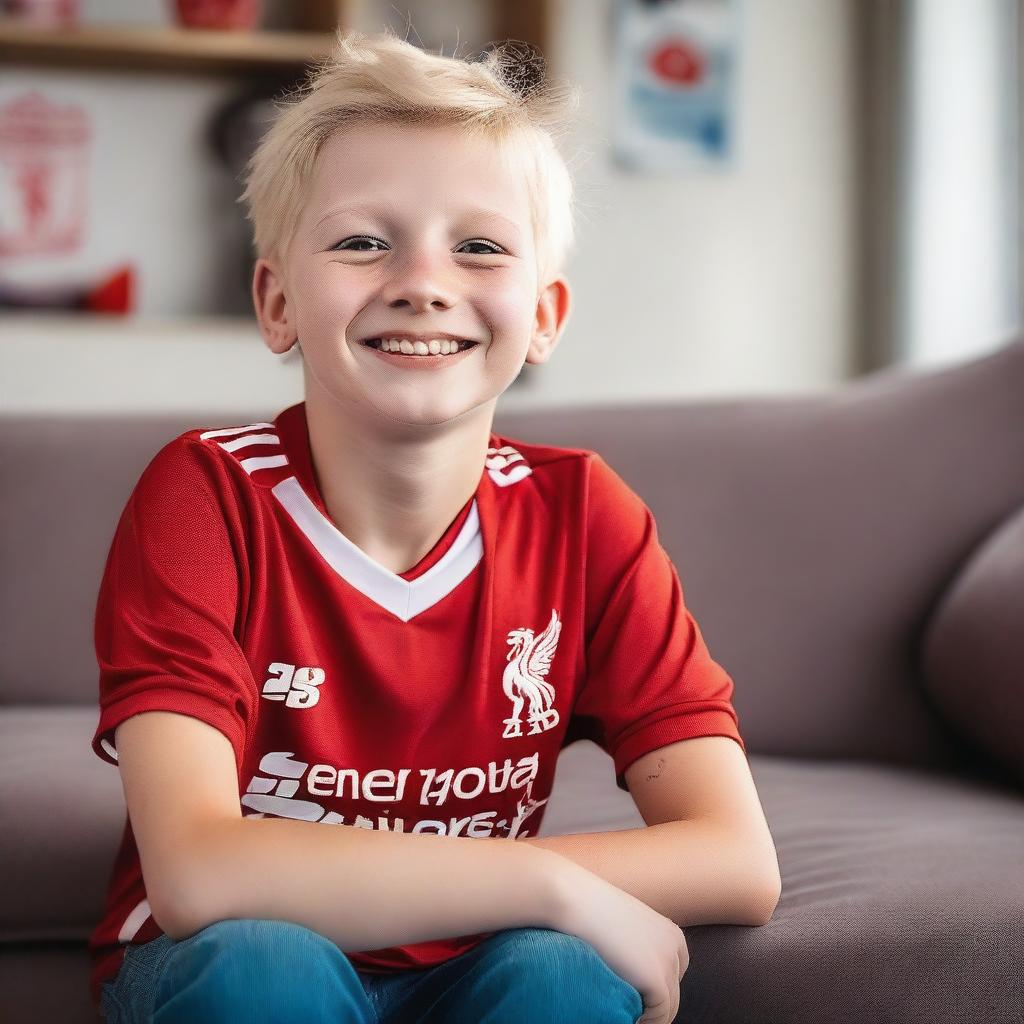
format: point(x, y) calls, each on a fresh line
point(382, 79)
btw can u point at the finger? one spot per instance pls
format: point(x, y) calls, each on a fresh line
point(654, 1012)
point(673, 992)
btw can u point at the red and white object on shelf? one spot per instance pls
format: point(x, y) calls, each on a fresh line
point(53, 13)
point(222, 14)
point(114, 293)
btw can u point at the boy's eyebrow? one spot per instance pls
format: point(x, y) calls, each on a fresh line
point(386, 208)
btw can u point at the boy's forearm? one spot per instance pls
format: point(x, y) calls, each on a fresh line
point(364, 889)
point(690, 871)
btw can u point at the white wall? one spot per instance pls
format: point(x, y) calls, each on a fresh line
point(683, 285)
point(744, 279)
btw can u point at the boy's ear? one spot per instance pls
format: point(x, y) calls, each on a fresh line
point(271, 305)
point(553, 306)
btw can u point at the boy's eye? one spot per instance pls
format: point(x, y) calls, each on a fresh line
point(358, 238)
point(493, 250)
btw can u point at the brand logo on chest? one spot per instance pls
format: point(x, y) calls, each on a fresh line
point(297, 686)
point(506, 465)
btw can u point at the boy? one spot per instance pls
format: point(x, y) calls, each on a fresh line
point(390, 616)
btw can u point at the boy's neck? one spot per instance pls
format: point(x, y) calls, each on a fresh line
point(394, 492)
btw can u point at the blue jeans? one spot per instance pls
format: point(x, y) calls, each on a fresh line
point(277, 972)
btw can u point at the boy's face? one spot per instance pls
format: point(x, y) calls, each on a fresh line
point(442, 242)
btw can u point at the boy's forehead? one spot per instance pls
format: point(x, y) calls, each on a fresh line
point(353, 142)
point(366, 165)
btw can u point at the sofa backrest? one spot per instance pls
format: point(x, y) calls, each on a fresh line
point(813, 536)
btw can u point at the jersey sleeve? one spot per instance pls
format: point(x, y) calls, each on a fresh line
point(650, 679)
point(169, 602)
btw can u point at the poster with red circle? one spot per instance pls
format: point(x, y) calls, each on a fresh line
point(675, 76)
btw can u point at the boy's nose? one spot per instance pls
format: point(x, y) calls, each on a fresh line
point(421, 287)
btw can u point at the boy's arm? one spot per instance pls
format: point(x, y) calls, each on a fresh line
point(707, 855)
point(651, 685)
point(693, 872)
point(365, 889)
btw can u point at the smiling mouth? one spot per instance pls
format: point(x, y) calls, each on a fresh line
point(376, 343)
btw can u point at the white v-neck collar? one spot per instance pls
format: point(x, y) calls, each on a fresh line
point(403, 598)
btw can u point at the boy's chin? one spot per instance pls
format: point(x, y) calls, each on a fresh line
point(401, 406)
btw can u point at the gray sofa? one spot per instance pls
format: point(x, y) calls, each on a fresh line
point(855, 561)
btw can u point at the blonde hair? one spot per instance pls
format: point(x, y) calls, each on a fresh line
point(382, 79)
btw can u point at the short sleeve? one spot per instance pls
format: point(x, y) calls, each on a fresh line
point(169, 602)
point(650, 679)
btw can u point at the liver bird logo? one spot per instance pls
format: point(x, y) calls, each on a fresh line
point(529, 659)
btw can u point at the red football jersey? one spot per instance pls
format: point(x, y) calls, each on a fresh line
point(436, 700)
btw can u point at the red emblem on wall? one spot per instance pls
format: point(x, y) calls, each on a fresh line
point(43, 176)
point(676, 61)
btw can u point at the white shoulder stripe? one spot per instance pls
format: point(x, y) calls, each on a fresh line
point(225, 431)
point(134, 921)
point(263, 462)
point(248, 438)
point(241, 442)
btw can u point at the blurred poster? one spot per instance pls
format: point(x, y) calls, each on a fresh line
point(43, 183)
point(675, 68)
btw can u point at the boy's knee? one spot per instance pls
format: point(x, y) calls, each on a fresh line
point(573, 974)
point(272, 967)
point(551, 950)
point(267, 948)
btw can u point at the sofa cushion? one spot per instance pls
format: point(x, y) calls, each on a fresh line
point(902, 900)
point(973, 653)
point(66, 809)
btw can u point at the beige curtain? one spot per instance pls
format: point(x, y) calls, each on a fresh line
point(939, 140)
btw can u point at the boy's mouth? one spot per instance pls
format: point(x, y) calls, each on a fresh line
point(414, 360)
point(377, 343)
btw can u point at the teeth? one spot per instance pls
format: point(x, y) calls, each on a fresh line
point(436, 346)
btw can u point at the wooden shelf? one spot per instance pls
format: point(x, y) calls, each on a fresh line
point(266, 51)
point(163, 49)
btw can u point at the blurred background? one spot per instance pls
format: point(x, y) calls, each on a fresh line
point(773, 195)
